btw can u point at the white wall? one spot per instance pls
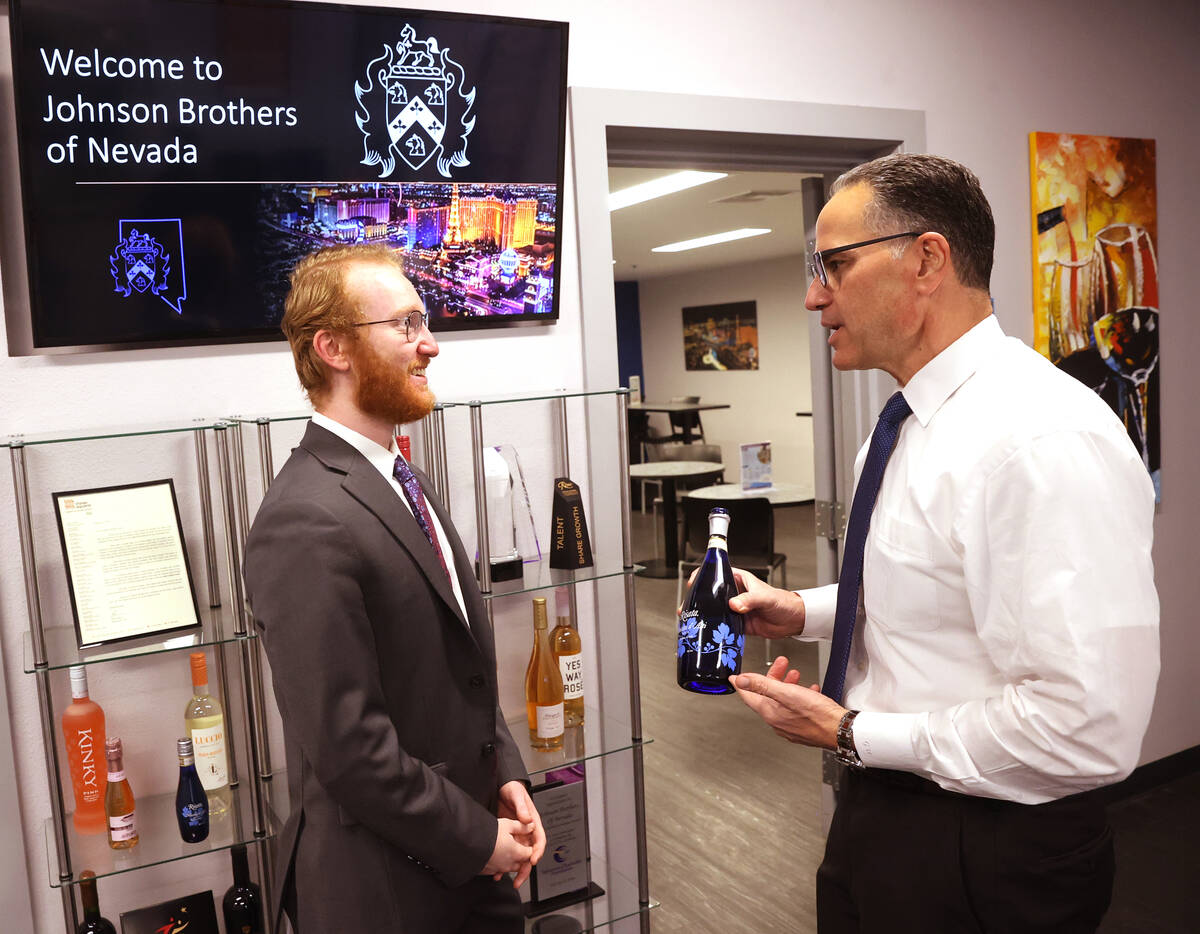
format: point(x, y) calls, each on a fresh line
point(984, 73)
point(763, 402)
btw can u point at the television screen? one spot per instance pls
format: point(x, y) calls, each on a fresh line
point(178, 156)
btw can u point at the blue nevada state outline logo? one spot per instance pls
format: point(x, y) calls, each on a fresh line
point(141, 262)
point(414, 107)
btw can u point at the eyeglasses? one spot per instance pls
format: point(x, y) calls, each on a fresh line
point(816, 267)
point(412, 322)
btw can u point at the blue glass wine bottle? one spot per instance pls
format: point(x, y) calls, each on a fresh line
point(711, 636)
point(191, 803)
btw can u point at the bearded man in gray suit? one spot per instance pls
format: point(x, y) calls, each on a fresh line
point(409, 798)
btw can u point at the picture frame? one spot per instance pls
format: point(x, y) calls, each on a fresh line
point(128, 573)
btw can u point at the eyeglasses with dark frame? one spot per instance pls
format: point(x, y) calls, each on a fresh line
point(816, 266)
point(413, 322)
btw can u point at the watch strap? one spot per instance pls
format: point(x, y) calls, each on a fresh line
point(845, 752)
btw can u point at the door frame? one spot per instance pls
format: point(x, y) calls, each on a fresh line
point(692, 131)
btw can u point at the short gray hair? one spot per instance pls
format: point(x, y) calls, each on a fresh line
point(915, 191)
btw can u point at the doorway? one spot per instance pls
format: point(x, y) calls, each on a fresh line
point(668, 132)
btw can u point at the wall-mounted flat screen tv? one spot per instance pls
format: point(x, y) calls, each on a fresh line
point(177, 157)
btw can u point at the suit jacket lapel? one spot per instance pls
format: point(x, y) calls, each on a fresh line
point(367, 485)
point(472, 598)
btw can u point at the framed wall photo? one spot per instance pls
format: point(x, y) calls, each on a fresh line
point(721, 337)
point(126, 562)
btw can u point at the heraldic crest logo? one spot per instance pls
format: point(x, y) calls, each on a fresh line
point(414, 106)
point(140, 263)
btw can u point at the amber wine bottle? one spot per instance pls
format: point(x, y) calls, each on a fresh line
point(118, 799)
point(205, 726)
point(568, 650)
point(543, 686)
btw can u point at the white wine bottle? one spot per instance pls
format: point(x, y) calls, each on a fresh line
point(568, 650)
point(205, 726)
point(543, 686)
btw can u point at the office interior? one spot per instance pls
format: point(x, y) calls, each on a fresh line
point(975, 78)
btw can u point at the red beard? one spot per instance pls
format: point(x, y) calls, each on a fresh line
point(384, 389)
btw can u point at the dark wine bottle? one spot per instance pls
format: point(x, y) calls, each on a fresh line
point(92, 922)
point(191, 803)
point(242, 905)
point(711, 636)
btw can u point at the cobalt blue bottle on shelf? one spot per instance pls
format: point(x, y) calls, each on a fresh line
point(191, 803)
point(711, 636)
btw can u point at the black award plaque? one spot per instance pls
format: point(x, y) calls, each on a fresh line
point(570, 547)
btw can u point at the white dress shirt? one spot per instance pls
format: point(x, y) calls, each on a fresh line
point(1007, 645)
point(384, 460)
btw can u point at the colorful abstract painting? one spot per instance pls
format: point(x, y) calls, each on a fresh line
point(721, 337)
point(1095, 272)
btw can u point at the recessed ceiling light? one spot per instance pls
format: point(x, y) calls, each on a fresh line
point(657, 187)
point(740, 234)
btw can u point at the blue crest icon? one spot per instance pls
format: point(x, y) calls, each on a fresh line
point(148, 259)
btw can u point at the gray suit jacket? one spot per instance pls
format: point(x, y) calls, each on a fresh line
point(396, 746)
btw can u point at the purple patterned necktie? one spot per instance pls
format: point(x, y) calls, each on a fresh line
point(416, 499)
point(850, 579)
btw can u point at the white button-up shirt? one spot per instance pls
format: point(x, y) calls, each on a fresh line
point(1007, 645)
point(384, 460)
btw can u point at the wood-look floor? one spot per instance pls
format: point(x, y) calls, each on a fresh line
point(732, 810)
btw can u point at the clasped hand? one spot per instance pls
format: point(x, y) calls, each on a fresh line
point(520, 837)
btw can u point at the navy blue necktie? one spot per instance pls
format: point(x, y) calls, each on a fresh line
point(850, 579)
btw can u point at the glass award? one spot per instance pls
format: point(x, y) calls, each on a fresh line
point(512, 537)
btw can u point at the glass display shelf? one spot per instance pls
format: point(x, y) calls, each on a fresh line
point(270, 417)
point(599, 736)
point(538, 575)
point(294, 415)
point(619, 901)
point(494, 399)
point(62, 646)
point(99, 434)
point(158, 839)
point(532, 395)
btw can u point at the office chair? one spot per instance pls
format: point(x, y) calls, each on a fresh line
point(679, 420)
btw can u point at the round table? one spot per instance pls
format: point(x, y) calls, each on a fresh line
point(670, 472)
point(779, 494)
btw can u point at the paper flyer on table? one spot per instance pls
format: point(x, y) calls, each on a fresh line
point(756, 465)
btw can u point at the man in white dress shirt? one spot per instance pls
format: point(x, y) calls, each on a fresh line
point(1005, 652)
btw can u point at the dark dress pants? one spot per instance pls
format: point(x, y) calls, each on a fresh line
point(905, 855)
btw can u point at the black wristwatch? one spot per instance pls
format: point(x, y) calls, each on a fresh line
point(845, 752)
